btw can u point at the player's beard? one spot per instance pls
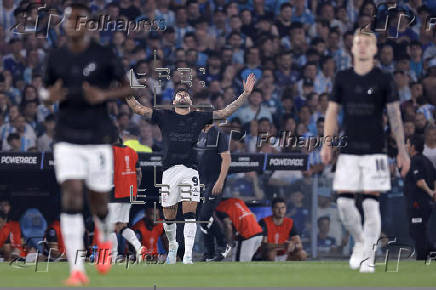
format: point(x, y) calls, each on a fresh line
point(183, 102)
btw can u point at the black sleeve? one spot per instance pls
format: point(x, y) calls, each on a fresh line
point(336, 95)
point(48, 76)
point(294, 232)
point(223, 142)
point(206, 118)
point(157, 117)
point(117, 69)
point(391, 89)
point(262, 223)
point(418, 170)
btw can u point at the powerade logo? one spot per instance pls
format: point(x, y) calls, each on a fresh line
point(19, 159)
point(286, 162)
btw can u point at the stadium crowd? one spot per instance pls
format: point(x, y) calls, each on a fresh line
point(294, 47)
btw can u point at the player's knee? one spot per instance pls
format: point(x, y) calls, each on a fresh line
point(72, 196)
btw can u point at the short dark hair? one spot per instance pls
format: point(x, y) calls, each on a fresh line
point(13, 136)
point(277, 200)
point(284, 5)
point(418, 142)
point(180, 90)
point(323, 218)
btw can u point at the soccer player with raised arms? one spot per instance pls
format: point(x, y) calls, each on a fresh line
point(181, 128)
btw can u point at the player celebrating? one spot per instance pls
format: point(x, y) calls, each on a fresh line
point(127, 178)
point(363, 91)
point(78, 75)
point(180, 130)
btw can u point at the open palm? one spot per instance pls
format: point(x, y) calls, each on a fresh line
point(249, 83)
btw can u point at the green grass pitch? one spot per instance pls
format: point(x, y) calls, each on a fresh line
point(255, 274)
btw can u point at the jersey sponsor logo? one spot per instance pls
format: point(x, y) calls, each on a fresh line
point(371, 91)
point(19, 159)
point(416, 220)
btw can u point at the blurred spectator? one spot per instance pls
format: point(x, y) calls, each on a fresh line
point(421, 123)
point(297, 211)
point(430, 144)
point(402, 81)
point(387, 58)
point(254, 110)
point(45, 141)
point(326, 244)
point(131, 139)
point(24, 130)
point(14, 142)
point(245, 186)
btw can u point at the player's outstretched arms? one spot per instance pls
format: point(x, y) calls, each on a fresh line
point(236, 104)
point(330, 127)
point(139, 109)
point(394, 115)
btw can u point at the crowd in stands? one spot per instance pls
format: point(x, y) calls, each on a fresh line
point(294, 47)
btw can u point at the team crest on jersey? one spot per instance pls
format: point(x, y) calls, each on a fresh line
point(89, 68)
point(370, 91)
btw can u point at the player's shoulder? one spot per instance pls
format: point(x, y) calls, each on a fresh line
point(379, 74)
point(95, 46)
point(288, 220)
point(58, 52)
point(344, 73)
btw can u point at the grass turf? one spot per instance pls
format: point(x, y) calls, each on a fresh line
point(255, 274)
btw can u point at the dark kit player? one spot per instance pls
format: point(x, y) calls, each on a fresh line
point(79, 75)
point(180, 129)
point(364, 92)
point(127, 178)
point(213, 164)
point(420, 192)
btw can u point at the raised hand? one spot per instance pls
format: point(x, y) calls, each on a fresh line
point(249, 83)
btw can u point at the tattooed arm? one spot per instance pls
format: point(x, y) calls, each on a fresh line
point(397, 130)
point(139, 109)
point(236, 104)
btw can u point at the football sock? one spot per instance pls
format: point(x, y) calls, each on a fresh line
point(114, 240)
point(105, 227)
point(189, 231)
point(371, 226)
point(350, 217)
point(170, 231)
point(130, 236)
point(72, 232)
